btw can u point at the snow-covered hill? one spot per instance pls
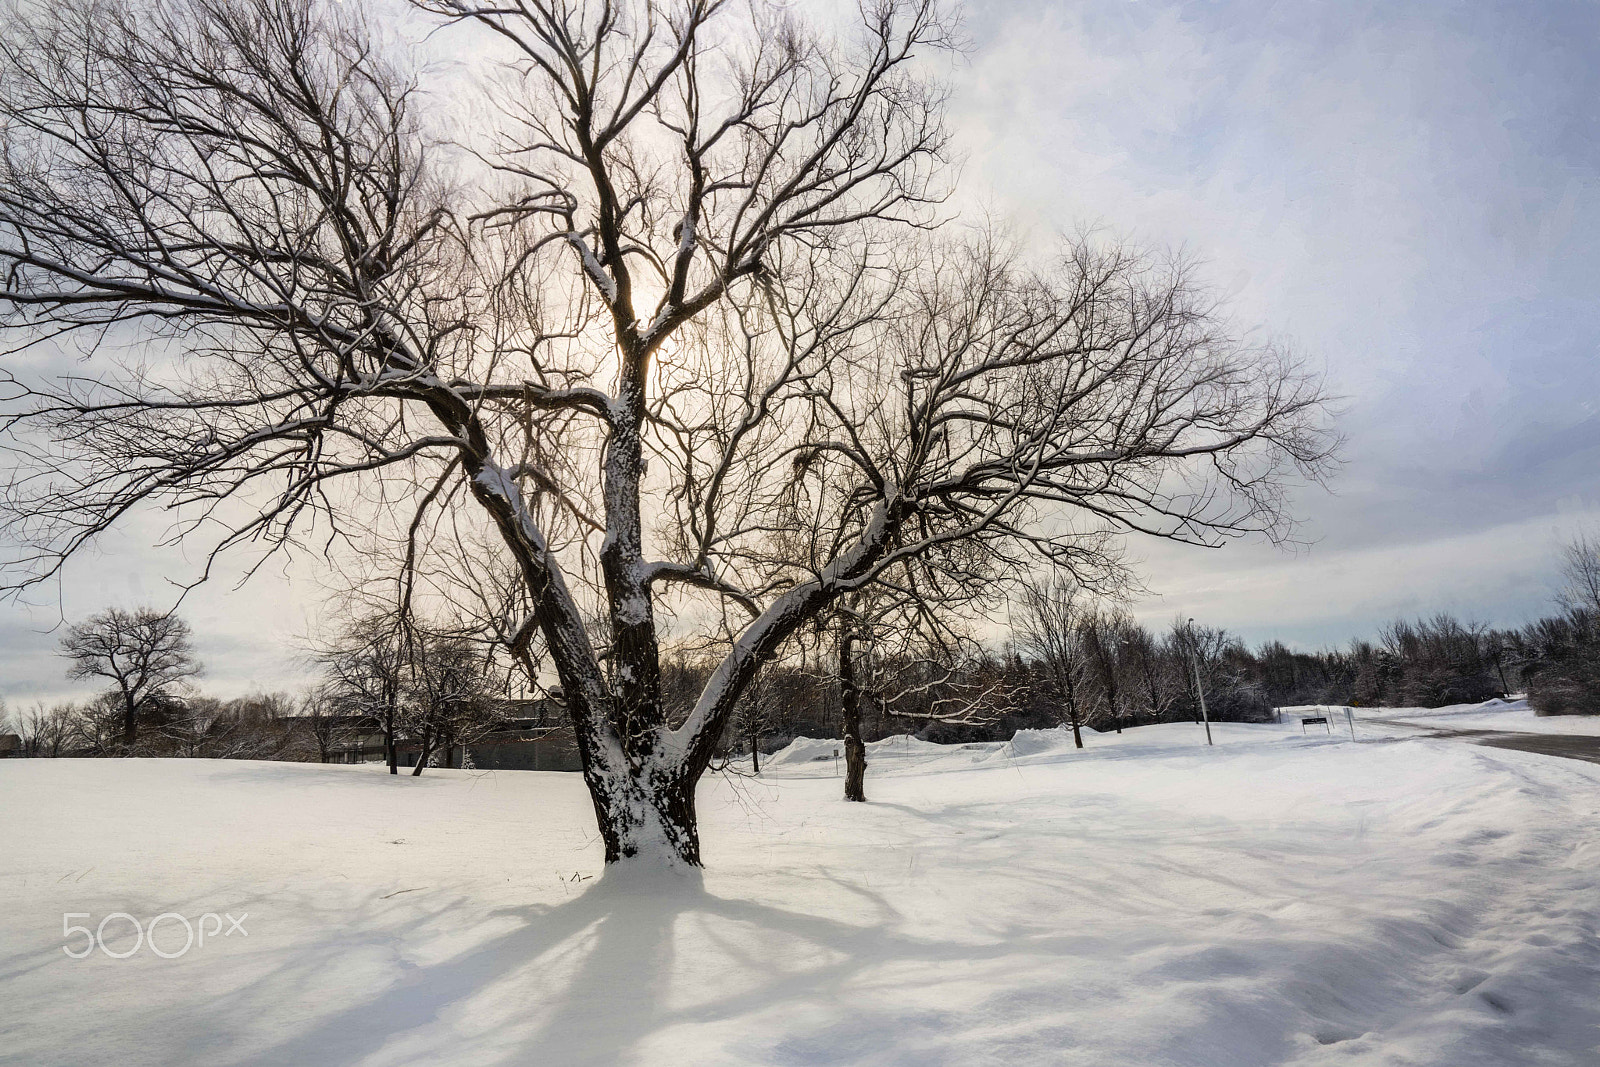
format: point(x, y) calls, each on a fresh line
point(1272, 900)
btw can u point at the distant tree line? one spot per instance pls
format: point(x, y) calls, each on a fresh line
point(261, 726)
point(433, 689)
point(1074, 660)
point(1069, 659)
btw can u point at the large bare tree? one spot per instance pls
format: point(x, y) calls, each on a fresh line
point(145, 655)
point(661, 318)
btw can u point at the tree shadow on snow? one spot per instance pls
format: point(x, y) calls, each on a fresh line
point(621, 932)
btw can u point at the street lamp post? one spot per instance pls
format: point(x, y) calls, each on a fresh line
point(1199, 690)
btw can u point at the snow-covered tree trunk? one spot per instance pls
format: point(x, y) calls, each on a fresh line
point(648, 817)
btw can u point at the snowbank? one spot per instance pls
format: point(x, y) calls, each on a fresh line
point(813, 757)
point(811, 750)
point(1512, 716)
point(1271, 900)
point(805, 750)
point(1035, 743)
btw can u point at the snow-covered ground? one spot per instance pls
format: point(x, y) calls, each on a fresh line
point(1512, 716)
point(1272, 900)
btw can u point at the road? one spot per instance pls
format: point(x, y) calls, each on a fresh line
point(1567, 746)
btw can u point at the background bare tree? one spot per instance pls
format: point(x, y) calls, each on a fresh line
point(1048, 628)
point(687, 246)
point(1106, 632)
point(1579, 563)
point(145, 654)
point(325, 720)
point(46, 731)
point(97, 727)
point(251, 727)
point(757, 714)
point(448, 700)
point(1560, 656)
point(364, 673)
point(905, 645)
point(1446, 660)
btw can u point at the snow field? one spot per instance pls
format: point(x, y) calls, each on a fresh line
point(1272, 900)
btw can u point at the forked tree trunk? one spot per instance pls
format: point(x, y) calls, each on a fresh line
point(658, 826)
point(855, 750)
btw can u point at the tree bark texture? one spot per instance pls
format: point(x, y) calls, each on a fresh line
point(855, 750)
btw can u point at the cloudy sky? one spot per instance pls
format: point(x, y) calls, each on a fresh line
point(1407, 192)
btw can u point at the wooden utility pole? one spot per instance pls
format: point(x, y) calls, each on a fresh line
point(1199, 690)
